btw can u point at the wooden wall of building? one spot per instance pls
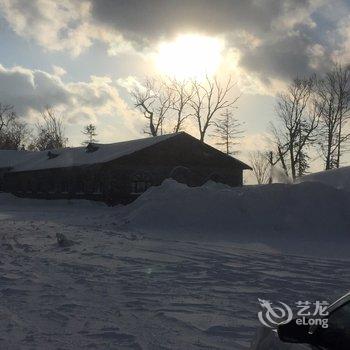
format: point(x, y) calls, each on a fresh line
point(123, 179)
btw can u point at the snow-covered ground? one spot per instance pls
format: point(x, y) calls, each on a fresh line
point(338, 178)
point(308, 218)
point(148, 277)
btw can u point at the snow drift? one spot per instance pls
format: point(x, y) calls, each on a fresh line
point(338, 178)
point(310, 218)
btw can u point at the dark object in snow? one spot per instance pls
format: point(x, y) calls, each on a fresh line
point(91, 147)
point(51, 155)
point(63, 241)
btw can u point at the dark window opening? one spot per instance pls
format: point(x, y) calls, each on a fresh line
point(141, 182)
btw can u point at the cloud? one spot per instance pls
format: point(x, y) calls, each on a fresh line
point(96, 100)
point(273, 40)
point(55, 25)
point(59, 25)
point(343, 32)
point(257, 141)
point(285, 57)
point(58, 71)
point(152, 19)
point(31, 90)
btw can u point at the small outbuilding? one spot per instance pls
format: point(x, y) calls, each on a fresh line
point(117, 172)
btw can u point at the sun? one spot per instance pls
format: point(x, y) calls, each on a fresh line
point(189, 56)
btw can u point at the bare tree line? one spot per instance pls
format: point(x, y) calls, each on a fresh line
point(47, 134)
point(334, 97)
point(312, 116)
point(15, 134)
point(259, 161)
point(298, 119)
point(168, 103)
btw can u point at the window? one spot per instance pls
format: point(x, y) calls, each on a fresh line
point(140, 186)
point(98, 187)
point(141, 181)
point(79, 187)
point(64, 187)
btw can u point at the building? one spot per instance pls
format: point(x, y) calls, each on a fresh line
point(118, 172)
point(8, 160)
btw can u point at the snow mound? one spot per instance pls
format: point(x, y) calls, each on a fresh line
point(294, 218)
point(338, 178)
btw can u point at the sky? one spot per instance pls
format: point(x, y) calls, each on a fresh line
point(81, 57)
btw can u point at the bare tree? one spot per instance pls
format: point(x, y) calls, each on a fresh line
point(164, 103)
point(7, 115)
point(50, 133)
point(168, 103)
point(261, 165)
point(228, 131)
point(154, 101)
point(15, 136)
point(333, 94)
point(298, 116)
point(90, 132)
point(210, 98)
point(13, 132)
point(181, 94)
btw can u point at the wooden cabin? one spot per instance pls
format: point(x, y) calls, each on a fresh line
point(118, 172)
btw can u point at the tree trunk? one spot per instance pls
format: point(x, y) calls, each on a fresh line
point(339, 142)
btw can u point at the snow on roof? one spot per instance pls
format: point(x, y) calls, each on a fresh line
point(10, 158)
point(68, 157)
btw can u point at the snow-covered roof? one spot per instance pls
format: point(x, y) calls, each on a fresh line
point(9, 158)
point(77, 156)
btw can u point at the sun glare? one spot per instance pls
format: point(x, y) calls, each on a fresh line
point(189, 56)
